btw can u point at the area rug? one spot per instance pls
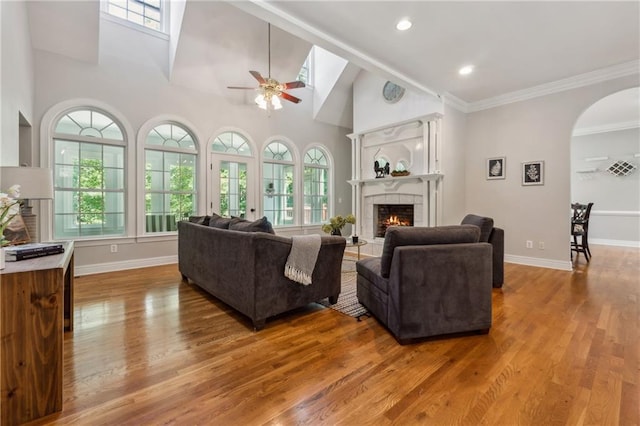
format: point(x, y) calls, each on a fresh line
point(347, 301)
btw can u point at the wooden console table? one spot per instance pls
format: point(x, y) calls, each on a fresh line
point(36, 307)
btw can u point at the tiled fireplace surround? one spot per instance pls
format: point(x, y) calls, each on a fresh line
point(415, 144)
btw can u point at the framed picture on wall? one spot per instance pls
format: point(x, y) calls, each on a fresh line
point(496, 168)
point(533, 173)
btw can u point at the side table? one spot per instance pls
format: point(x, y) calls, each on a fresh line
point(359, 244)
point(36, 298)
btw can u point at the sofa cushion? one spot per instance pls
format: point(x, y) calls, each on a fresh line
point(370, 269)
point(484, 223)
point(217, 221)
point(416, 235)
point(200, 220)
point(260, 225)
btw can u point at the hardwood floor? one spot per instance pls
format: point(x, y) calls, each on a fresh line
point(563, 349)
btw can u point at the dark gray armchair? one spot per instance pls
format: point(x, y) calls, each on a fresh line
point(428, 282)
point(495, 237)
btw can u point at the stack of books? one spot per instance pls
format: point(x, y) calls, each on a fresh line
point(29, 251)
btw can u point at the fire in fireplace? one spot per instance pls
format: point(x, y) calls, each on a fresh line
point(386, 215)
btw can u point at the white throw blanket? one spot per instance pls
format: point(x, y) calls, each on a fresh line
point(302, 258)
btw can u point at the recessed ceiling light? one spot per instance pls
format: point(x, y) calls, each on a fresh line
point(403, 25)
point(466, 70)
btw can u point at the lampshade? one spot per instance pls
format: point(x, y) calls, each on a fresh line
point(36, 183)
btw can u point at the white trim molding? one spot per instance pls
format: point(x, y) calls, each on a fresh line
point(539, 262)
point(619, 213)
point(455, 102)
point(605, 128)
point(99, 268)
point(617, 243)
point(580, 80)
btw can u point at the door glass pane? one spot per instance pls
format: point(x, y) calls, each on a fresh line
point(233, 189)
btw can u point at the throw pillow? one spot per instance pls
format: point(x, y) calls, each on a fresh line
point(260, 225)
point(200, 220)
point(217, 221)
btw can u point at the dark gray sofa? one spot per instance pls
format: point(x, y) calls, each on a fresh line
point(494, 236)
point(429, 281)
point(245, 270)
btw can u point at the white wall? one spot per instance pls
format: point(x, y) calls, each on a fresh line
point(16, 78)
point(453, 166)
point(615, 217)
point(140, 93)
point(371, 111)
point(536, 129)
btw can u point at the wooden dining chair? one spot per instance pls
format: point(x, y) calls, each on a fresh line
point(580, 230)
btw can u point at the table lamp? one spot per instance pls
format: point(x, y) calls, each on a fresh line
point(36, 183)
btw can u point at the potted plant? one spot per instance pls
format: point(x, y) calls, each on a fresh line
point(336, 223)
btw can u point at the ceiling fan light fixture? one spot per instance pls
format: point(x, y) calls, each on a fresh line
point(404, 24)
point(261, 101)
point(271, 90)
point(275, 102)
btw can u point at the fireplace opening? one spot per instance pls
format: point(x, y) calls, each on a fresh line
point(386, 215)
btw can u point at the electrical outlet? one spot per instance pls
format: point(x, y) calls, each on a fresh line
point(529, 244)
point(541, 245)
point(114, 248)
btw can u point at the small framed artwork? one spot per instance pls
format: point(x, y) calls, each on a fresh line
point(533, 173)
point(496, 167)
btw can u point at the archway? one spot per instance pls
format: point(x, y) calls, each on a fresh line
point(605, 162)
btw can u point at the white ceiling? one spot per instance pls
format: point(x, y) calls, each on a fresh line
point(514, 46)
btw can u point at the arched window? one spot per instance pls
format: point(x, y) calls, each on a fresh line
point(316, 186)
point(231, 143)
point(170, 177)
point(232, 174)
point(278, 184)
point(89, 170)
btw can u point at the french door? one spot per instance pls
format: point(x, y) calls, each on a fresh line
point(233, 189)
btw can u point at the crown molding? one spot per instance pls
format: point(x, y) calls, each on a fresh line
point(455, 102)
point(580, 80)
point(605, 128)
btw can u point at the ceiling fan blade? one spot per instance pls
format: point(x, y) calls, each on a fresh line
point(290, 98)
point(293, 85)
point(257, 76)
point(241, 87)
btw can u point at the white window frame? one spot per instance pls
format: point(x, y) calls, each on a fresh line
point(163, 32)
point(49, 122)
point(329, 168)
point(295, 166)
point(167, 149)
point(253, 169)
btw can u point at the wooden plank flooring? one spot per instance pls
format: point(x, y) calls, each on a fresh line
point(149, 349)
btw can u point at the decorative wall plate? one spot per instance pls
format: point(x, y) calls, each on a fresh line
point(392, 93)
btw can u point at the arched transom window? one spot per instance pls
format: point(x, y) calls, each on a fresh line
point(231, 143)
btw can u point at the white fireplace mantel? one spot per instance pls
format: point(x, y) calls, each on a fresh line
point(415, 143)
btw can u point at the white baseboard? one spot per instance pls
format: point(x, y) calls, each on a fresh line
point(536, 261)
point(618, 243)
point(99, 268)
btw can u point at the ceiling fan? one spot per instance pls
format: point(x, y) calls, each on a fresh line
point(270, 90)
